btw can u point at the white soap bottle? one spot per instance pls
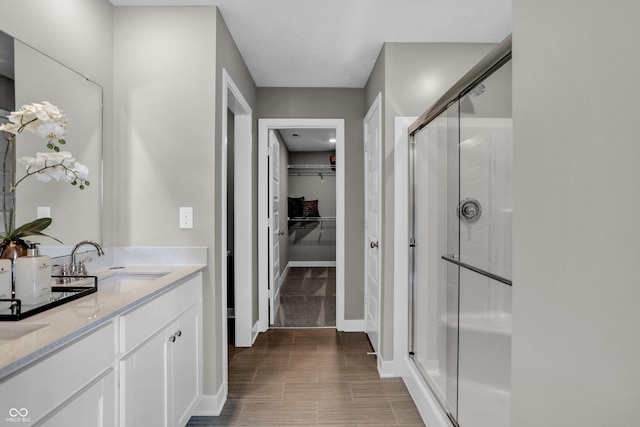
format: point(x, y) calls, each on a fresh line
point(33, 277)
point(5, 283)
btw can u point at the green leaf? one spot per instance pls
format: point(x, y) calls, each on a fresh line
point(33, 228)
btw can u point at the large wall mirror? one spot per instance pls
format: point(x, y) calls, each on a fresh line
point(76, 214)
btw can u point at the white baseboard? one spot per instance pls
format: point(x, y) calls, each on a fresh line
point(284, 272)
point(429, 408)
point(254, 332)
point(356, 325)
point(386, 369)
point(211, 405)
point(311, 264)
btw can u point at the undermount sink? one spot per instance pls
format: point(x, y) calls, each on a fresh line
point(125, 281)
point(14, 331)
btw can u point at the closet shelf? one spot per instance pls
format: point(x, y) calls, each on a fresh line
point(310, 167)
point(312, 218)
point(312, 170)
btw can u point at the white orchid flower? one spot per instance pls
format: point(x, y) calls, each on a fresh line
point(9, 127)
point(51, 130)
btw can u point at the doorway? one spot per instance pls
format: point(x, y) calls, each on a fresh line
point(314, 230)
point(303, 279)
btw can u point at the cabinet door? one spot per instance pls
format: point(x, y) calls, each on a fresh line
point(185, 371)
point(93, 406)
point(143, 392)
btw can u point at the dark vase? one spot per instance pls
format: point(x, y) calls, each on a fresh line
point(12, 249)
point(332, 160)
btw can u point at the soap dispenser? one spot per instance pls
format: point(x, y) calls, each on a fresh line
point(5, 283)
point(33, 277)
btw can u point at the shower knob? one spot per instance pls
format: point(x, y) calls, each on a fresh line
point(469, 210)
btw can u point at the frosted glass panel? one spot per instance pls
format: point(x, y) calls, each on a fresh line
point(435, 331)
point(461, 266)
point(486, 152)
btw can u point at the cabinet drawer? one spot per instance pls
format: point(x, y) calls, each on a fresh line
point(143, 322)
point(47, 384)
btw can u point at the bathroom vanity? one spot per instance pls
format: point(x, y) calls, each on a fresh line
point(129, 354)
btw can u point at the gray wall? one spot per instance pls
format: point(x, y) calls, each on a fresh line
point(313, 241)
point(575, 247)
point(79, 34)
point(333, 103)
point(228, 57)
point(411, 76)
point(155, 145)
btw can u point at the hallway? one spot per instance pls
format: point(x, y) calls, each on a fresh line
point(308, 377)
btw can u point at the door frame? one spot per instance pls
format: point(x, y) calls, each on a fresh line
point(232, 99)
point(374, 113)
point(264, 126)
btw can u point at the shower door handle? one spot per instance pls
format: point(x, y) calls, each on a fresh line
point(373, 245)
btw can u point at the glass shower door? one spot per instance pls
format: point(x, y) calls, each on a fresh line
point(435, 332)
point(461, 214)
point(485, 244)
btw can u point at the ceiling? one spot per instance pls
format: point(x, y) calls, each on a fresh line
point(335, 43)
point(309, 139)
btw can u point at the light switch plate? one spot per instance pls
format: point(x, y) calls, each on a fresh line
point(43, 212)
point(186, 217)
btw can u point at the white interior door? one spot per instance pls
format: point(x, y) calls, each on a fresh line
point(274, 226)
point(372, 135)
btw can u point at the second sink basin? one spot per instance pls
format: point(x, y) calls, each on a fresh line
point(125, 281)
point(12, 331)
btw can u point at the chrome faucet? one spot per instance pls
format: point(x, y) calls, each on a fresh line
point(73, 268)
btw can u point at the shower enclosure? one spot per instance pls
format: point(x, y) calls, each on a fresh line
point(461, 197)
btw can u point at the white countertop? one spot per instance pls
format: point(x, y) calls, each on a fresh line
point(71, 320)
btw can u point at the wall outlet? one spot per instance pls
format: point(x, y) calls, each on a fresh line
point(186, 217)
point(43, 212)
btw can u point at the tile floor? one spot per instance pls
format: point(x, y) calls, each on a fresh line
point(311, 377)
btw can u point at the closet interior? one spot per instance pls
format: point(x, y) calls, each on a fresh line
point(308, 245)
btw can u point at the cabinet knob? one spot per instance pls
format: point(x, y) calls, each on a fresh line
point(172, 338)
point(178, 333)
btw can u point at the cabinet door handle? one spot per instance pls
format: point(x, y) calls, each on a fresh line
point(178, 333)
point(172, 338)
point(373, 245)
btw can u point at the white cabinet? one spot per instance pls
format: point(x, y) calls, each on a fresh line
point(73, 386)
point(93, 406)
point(143, 385)
point(141, 368)
point(185, 366)
point(160, 377)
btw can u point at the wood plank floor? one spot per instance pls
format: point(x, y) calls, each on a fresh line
point(311, 377)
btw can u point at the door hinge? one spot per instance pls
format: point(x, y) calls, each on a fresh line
point(269, 222)
point(270, 293)
point(269, 150)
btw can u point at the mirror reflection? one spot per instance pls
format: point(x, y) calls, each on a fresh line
point(28, 76)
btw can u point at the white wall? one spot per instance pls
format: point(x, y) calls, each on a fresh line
point(576, 176)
